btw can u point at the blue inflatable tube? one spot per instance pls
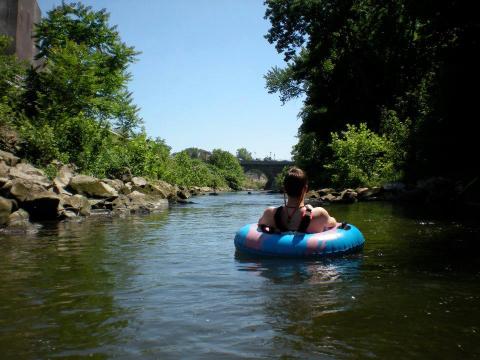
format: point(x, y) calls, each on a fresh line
point(337, 241)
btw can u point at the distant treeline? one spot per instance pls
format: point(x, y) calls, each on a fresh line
point(389, 87)
point(76, 108)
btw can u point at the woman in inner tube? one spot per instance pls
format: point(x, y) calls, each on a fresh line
point(294, 215)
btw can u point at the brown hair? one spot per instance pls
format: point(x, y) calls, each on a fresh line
point(294, 181)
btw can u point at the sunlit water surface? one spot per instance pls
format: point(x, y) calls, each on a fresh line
point(169, 285)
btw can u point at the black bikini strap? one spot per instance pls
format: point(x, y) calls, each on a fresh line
point(305, 220)
point(278, 219)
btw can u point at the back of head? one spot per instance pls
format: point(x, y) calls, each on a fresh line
point(294, 182)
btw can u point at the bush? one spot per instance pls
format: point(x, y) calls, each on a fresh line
point(228, 167)
point(362, 158)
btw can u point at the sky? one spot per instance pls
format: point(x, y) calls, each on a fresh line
point(199, 80)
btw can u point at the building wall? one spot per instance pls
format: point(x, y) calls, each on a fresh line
point(17, 20)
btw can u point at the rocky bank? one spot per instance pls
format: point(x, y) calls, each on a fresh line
point(27, 194)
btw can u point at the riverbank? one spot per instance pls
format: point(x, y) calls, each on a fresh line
point(28, 195)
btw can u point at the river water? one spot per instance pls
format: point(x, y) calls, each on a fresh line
point(169, 286)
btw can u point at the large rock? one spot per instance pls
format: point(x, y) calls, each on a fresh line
point(77, 204)
point(325, 191)
point(183, 193)
point(5, 210)
point(23, 189)
point(137, 203)
point(4, 169)
point(30, 173)
point(88, 185)
point(329, 198)
point(348, 196)
point(42, 206)
point(10, 159)
point(139, 181)
point(18, 222)
point(64, 175)
point(117, 184)
point(312, 194)
point(374, 193)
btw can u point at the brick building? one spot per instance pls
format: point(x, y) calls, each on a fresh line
point(17, 19)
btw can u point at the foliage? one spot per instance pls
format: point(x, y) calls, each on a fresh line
point(229, 167)
point(86, 61)
point(278, 181)
point(351, 60)
point(361, 157)
point(196, 153)
point(185, 171)
point(76, 107)
point(244, 154)
point(12, 73)
point(308, 154)
point(139, 156)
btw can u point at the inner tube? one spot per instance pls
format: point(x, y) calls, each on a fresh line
point(342, 239)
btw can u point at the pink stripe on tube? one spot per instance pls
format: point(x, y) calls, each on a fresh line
point(254, 239)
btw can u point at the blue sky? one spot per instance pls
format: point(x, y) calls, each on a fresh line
point(199, 80)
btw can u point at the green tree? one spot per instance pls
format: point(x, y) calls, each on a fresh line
point(351, 60)
point(244, 154)
point(85, 68)
point(361, 157)
point(229, 167)
point(12, 73)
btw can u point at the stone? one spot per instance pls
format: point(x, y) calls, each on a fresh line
point(76, 203)
point(325, 191)
point(139, 181)
point(9, 158)
point(64, 175)
point(88, 185)
point(183, 193)
point(312, 194)
point(4, 169)
point(23, 189)
point(117, 184)
point(328, 198)
point(18, 222)
point(374, 193)
point(30, 173)
point(348, 196)
point(5, 210)
point(43, 205)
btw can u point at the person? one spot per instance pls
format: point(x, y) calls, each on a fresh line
point(294, 215)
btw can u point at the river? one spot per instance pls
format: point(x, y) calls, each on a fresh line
point(169, 286)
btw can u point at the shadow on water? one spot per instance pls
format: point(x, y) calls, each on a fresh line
point(60, 288)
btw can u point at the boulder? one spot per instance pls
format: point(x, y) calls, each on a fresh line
point(374, 193)
point(348, 196)
point(312, 194)
point(314, 202)
point(329, 198)
point(325, 191)
point(4, 169)
point(139, 181)
point(30, 173)
point(18, 222)
point(117, 184)
point(88, 185)
point(9, 158)
point(43, 205)
point(79, 204)
point(23, 189)
point(5, 210)
point(183, 193)
point(64, 175)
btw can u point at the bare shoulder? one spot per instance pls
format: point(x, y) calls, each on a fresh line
point(268, 215)
point(319, 212)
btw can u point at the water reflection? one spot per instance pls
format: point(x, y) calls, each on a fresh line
point(60, 288)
